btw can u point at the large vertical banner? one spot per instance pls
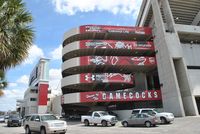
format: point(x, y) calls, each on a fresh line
point(43, 94)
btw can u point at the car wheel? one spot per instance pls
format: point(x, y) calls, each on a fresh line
point(163, 120)
point(86, 122)
point(8, 125)
point(104, 123)
point(112, 124)
point(27, 130)
point(95, 124)
point(148, 124)
point(42, 131)
point(125, 124)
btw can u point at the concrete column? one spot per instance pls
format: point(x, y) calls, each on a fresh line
point(170, 49)
point(176, 51)
point(172, 101)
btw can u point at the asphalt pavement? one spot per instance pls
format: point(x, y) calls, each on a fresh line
point(186, 125)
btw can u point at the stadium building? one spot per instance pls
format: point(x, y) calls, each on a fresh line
point(109, 68)
point(118, 68)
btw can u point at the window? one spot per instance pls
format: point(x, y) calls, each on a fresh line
point(135, 111)
point(96, 115)
point(145, 116)
point(37, 118)
point(33, 99)
point(139, 116)
point(32, 118)
point(150, 112)
point(48, 117)
point(34, 91)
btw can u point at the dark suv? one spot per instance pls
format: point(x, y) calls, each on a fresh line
point(14, 120)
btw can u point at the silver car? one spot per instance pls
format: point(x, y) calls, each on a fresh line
point(140, 119)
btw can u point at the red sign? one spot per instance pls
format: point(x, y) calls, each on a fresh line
point(115, 29)
point(120, 96)
point(107, 78)
point(112, 44)
point(43, 94)
point(116, 60)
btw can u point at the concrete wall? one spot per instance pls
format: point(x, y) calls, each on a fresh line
point(191, 54)
point(71, 63)
point(194, 75)
point(70, 47)
point(140, 81)
point(176, 90)
point(56, 105)
point(123, 114)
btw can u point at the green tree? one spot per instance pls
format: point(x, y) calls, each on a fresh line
point(3, 83)
point(16, 33)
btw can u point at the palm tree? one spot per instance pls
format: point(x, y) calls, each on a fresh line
point(3, 83)
point(16, 34)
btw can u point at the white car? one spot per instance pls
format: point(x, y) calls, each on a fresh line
point(2, 119)
point(99, 117)
point(45, 124)
point(164, 117)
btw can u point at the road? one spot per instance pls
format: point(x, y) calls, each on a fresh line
point(186, 125)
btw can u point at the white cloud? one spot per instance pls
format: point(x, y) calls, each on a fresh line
point(56, 54)
point(34, 54)
point(12, 84)
point(8, 100)
point(23, 79)
point(55, 81)
point(71, 7)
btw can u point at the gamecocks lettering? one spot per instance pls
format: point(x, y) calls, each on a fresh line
point(131, 95)
point(103, 96)
point(111, 96)
point(143, 95)
point(149, 95)
point(137, 95)
point(124, 95)
point(118, 96)
point(155, 94)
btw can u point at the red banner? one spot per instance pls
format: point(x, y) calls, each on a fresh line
point(107, 78)
point(120, 96)
point(43, 94)
point(116, 60)
point(113, 44)
point(115, 29)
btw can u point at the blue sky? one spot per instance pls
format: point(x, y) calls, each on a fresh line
point(52, 18)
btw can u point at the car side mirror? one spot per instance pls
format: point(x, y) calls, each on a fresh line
point(37, 120)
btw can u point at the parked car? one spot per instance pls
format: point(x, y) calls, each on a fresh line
point(2, 119)
point(140, 119)
point(99, 117)
point(45, 124)
point(113, 113)
point(14, 120)
point(26, 117)
point(164, 117)
point(6, 118)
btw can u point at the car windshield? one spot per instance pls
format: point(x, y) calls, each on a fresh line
point(48, 117)
point(103, 113)
point(156, 110)
point(14, 116)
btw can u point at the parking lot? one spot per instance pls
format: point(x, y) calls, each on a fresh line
point(186, 125)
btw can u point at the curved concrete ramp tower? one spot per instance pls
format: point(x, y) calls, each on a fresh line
point(109, 68)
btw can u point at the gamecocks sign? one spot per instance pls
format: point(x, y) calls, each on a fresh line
point(120, 96)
